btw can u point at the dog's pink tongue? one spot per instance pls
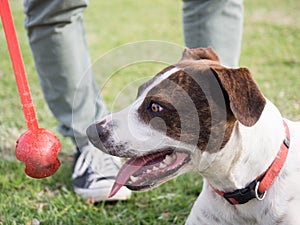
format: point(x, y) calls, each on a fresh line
point(129, 168)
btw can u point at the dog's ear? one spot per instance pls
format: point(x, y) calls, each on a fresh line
point(246, 100)
point(200, 53)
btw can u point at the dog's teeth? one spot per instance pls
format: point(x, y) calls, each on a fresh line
point(154, 168)
point(173, 156)
point(148, 171)
point(133, 178)
point(162, 165)
point(168, 159)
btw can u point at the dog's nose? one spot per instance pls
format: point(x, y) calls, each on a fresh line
point(92, 133)
point(97, 134)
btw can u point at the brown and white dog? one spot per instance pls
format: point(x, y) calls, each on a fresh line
point(199, 115)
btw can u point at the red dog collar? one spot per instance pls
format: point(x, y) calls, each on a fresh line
point(258, 188)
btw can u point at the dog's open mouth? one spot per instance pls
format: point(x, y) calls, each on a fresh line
point(147, 171)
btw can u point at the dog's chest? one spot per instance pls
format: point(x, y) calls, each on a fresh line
point(211, 209)
point(281, 205)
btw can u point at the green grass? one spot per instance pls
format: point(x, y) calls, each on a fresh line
point(271, 50)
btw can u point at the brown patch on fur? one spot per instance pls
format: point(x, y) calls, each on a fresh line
point(200, 53)
point(246, 100)
point(202, 101)
point(181, 97)
point(168, 119)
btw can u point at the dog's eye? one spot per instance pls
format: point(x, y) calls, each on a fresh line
point(154, 107)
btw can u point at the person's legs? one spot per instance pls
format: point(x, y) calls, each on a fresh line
point(215, 23)
point(57, 40)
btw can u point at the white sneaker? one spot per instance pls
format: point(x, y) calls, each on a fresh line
point(94, 174)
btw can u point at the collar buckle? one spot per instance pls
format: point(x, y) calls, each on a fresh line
point(243, 195)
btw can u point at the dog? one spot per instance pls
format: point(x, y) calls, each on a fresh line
point(198, 115)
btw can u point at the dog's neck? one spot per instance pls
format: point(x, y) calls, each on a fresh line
point(248, 153)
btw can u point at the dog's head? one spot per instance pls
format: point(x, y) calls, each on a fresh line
point(184, 111)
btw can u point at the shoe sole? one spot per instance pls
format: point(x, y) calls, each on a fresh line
point(101, 194)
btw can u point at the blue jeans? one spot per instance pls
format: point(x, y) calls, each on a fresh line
point(215, 23)
point(57, 40)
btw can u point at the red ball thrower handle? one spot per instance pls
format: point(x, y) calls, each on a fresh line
point(18, 65)
point(37, 147)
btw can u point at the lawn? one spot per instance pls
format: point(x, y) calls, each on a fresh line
point(270, 49)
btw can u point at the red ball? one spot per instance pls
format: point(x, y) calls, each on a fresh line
point(38, 149)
